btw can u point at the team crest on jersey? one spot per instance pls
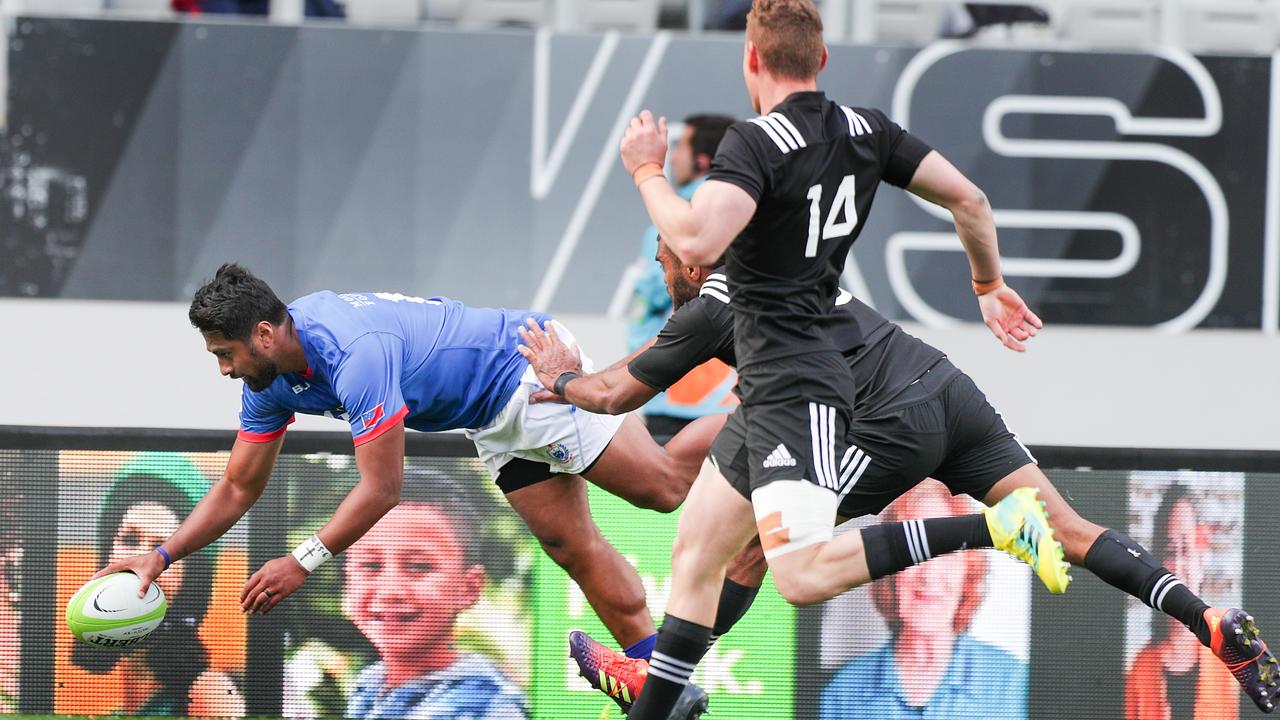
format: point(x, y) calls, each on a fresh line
point(370, 419)
point(560, 452)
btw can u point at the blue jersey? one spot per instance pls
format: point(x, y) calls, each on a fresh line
point(374, 359)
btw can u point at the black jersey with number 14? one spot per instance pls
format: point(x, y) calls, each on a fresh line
point(813, 167)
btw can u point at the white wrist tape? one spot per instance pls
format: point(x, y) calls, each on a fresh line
point(312, 553)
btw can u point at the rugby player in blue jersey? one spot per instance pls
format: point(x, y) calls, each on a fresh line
point(384, 362)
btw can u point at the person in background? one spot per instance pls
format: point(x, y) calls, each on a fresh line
point(10, 595)
point(931, 666)
point(1174, 676)
point(730, 16)
point(169, 674)
point(708, 388)
point(311, 8)
point(407, 580)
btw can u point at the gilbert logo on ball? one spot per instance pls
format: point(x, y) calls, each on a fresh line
point(107, 612)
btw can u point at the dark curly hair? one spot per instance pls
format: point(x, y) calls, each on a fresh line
point(233, 302)
point(708, 131)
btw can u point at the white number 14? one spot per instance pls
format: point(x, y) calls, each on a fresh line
point(844, 204)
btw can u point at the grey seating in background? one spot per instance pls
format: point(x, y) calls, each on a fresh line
point(598, 15)
point(441, 10)
point(497, 13)
point(1230, 26)
point(1112, 23)
point(383, 11)
point(53, 7)
point(887, 22)
point(141, 8)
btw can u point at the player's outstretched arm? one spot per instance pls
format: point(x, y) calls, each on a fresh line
point(247, 473)
point(381, 465)
point(612, 392)
point(1003, 310)
point(698, 231)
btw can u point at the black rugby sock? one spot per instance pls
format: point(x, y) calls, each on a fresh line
point(890, 547)
point(1119, 561)
point(735, 600)
point(681, 644)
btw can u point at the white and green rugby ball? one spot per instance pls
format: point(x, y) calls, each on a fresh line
point(107, 612)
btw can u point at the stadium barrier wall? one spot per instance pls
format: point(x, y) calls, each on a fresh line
point(69, 497)
point(84, 363)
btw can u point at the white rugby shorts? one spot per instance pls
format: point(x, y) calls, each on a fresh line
point(564, 437)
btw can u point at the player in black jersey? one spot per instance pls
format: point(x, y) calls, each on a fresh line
point(787, 195)
point(791, 190)
point(918, 416)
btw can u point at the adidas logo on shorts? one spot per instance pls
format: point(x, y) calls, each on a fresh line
point(780, 457)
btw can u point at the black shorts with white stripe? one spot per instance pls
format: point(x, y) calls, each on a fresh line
point(940, 426)
point(792, 422)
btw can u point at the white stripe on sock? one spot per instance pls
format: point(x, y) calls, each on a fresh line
point(675, 663)
point(911, 543)
point(1167, 587)
point(1151, 599)
point(924, 539)
point(657, 671)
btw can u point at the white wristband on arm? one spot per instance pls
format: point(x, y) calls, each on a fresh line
point(312, 553)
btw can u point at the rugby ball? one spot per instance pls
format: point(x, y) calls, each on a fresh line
point(107, 612)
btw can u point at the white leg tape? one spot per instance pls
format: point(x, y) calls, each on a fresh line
point(793, 514)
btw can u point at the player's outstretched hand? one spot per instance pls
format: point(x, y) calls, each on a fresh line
point(548, 356)
point(1008, 317)
point(644, 141)
point(146, 566)
point(272, 583)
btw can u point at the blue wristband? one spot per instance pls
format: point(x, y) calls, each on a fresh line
point(167, 560)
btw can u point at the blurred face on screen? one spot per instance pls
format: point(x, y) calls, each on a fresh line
point(1183, 555)
point(10, 641)
point(929, 594)
point(143, 527)
point(406, 582)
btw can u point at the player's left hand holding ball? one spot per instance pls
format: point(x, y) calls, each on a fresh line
point(146, 566)
point(643, 142)
point(272, 583)
point(109, 612)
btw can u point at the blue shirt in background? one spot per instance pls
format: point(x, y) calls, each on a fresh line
point(470, 689)
point(982, 682)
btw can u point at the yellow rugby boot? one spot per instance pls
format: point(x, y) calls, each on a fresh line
point(1019, 525)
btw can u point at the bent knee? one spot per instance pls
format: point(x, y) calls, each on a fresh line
point(667, 500)
point(695, 564)
point(798, 589)
point(568, 549)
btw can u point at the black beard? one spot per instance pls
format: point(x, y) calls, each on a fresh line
point(682, 296)
point(258, 383)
